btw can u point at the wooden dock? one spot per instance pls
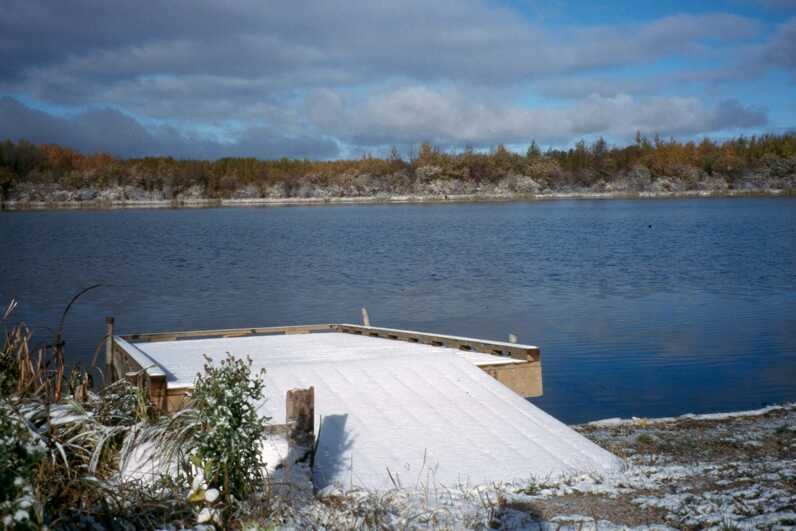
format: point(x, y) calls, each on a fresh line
point(137, 356)
point(384, 407)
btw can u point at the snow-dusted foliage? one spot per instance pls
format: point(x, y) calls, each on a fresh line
point(228, 443)
point(20, 454)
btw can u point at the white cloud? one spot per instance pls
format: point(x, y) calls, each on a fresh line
point(781, 50)
point(411, 113)
point(256, 50)
point(247, 66)
point(110, 131)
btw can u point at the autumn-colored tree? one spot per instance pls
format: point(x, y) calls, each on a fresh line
point(581, 165)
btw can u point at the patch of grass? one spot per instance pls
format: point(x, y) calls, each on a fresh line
point(531, 489)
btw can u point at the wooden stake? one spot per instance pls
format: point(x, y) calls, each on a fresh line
point(365, 317)
point(300, 416)
point(109, 348)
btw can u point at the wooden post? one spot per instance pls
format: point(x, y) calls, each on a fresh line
point(109, 348)
point(300, 417)
point(158, 393)
point(365, 317)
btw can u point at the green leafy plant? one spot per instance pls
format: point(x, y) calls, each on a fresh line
point(231, 432)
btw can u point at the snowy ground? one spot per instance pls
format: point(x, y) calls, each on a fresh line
point(735, 471)
point(693, 472)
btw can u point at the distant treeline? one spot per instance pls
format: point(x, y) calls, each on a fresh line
point(31, 172)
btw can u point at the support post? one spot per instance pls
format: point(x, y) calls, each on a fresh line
point(300, 417)
point(109, 347)
point(158, 393)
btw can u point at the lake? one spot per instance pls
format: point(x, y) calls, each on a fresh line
point(640, 307)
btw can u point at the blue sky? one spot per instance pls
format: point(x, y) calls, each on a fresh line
point(206, 79)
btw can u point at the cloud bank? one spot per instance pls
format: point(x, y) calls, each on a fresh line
point(406, 114)
point(110, 131)
point(208, 78)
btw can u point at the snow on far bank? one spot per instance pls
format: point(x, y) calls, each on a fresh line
point(617, 421)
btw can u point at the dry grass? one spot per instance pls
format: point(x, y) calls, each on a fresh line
point(690, 440)
point(618, 510)
point(86, 432)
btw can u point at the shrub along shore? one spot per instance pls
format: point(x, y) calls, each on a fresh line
point(50, 176)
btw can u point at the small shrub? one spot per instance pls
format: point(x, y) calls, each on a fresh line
point(231, 433)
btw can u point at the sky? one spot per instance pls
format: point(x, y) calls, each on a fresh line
point(328, 79)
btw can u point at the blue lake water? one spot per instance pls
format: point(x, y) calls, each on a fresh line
point(640, 307)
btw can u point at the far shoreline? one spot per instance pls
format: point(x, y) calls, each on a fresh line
point(379, 199)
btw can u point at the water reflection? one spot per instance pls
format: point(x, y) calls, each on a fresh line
point(640, 307)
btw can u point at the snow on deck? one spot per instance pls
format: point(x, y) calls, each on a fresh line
point(183, 360)
point(426, 414)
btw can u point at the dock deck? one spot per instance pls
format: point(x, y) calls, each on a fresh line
point(171, 360)
point(429, 409)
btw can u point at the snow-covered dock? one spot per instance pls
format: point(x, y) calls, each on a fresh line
point(391, 406)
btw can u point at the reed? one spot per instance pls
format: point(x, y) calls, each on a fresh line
point(81, 434)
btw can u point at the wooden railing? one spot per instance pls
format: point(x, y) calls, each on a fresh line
point(496, 348)
point(230, 332)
